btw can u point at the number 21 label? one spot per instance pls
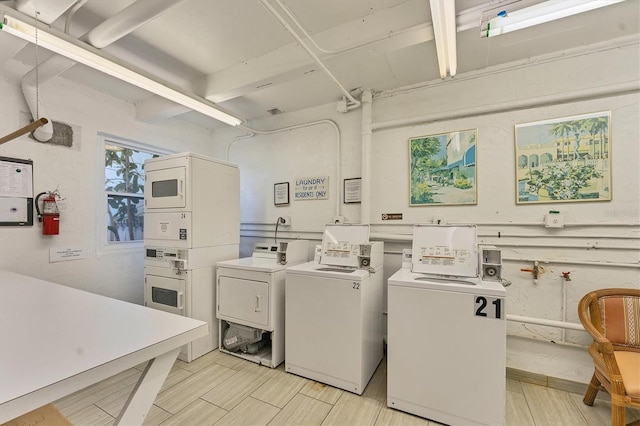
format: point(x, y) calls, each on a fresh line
point(489, 307)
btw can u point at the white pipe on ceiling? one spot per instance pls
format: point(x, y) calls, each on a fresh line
point(43, 72)
point(71, 13)
point(122, 23)
point(128, 20)
point(296, 21)
point(354, 102)
point(45, 13)
point(465, 19)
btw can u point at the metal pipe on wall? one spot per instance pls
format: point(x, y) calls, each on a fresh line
point(573, 262)
point(539, 224)
point(365, 198)
point(333, 125)
point(520, 104)
point(546, 322)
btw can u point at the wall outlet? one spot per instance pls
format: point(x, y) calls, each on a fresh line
point(339, 219)
point(439, 220)
point(285, 220)
point(554, 220)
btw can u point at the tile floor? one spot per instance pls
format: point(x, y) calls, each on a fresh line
point(222, 389)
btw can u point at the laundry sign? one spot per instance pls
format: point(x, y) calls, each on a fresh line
point(311, 188)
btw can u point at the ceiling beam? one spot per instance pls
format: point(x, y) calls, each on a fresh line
point(290, 62)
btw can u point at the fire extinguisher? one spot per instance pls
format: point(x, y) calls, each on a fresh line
point(50, 215)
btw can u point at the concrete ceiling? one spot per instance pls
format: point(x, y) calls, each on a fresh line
point(236, 54)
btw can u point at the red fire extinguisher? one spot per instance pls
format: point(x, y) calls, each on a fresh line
point(50, 215)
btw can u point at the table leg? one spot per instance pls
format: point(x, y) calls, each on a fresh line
point(147, 388)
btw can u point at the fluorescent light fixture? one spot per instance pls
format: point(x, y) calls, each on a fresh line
point(511, 18)
point(83, 53)
point(443, 20)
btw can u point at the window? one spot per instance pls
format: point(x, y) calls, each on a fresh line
point(123, 187)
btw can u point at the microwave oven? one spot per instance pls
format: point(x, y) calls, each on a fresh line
point(191, 201)
point(188, 182)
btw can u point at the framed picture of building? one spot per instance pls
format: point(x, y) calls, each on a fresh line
point(564, 159)
point(442, 169)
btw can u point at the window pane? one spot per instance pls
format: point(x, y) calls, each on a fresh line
point(125, 216)
point(124, 169)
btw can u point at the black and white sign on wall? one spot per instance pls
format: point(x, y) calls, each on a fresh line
point(488, 307)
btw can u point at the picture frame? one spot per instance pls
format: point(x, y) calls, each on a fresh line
point(281, 194)
point(565, 159)
point(442, 169)
point(352, 191)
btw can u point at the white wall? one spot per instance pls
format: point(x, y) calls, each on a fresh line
point(74, 171)
point(602, 235)
point(599, 246)
point(286, 155)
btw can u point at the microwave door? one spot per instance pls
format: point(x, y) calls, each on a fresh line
point(165, 188)
point(165, 294)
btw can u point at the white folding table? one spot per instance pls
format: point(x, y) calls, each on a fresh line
point(56, 340)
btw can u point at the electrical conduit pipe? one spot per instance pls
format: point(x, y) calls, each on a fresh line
point(253, 132)
point(354, 102)
point(365, 199)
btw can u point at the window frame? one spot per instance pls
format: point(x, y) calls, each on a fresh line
point(103, 245)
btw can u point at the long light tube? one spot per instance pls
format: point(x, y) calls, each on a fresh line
point(499, 21)
point(443, 17)
point(87, 55)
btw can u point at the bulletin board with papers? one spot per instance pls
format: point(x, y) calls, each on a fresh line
point(16, 192)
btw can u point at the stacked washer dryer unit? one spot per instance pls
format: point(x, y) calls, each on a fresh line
point(446, 344)
point(192, 221)
point(250, 301)
point(333, 311)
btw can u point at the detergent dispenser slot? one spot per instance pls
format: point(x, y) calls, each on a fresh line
point(490, 263)
point(290, 252)
point(364, 258)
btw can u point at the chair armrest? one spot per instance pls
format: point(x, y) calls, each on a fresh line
point(604, 346)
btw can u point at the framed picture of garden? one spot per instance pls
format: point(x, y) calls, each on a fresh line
point(564, 159)
point(442, 169)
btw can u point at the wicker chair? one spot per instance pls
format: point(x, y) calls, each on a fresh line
point(612, 317)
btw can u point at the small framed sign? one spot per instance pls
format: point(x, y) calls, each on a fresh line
point(352, 190)
point(311, 188)
point(281, 194)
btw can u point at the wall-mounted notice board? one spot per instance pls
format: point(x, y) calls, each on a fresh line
point(16, 192)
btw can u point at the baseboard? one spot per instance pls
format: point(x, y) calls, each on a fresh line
point(552, 382)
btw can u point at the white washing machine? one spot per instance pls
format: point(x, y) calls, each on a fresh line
point(446, 340)
point(250, 301)
point(334, 311)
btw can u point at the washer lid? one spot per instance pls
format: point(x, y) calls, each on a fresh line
point(318, 269)
point(471, 285)
point(259, 264)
